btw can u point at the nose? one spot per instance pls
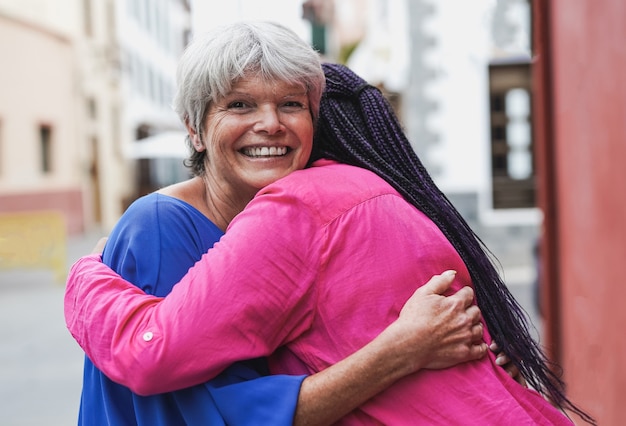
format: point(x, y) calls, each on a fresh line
point(268, 120)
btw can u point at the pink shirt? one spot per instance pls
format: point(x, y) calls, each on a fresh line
point(318, 264)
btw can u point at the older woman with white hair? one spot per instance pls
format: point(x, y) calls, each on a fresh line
point(249, 96)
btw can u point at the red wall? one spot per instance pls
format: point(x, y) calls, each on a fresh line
point(581, 88)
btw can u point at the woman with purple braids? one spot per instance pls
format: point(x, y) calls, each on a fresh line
point(249, 94)
point(304, 275)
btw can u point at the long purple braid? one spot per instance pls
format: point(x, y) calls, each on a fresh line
point(358, 126)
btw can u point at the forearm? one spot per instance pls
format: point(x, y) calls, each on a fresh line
point(155, 345)
point(329, 395)
point(131, 336)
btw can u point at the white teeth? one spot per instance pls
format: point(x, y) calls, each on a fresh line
point(265, 151)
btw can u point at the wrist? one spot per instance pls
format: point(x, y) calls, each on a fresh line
point(402, 348)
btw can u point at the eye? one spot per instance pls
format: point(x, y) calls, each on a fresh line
point(294, 106)
point(237, 105)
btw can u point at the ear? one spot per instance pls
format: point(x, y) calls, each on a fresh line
point(196, 140)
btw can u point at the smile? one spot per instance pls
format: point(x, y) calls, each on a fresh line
point(265, 151)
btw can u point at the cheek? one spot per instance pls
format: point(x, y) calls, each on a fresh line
point(305, 134)
point(218, 138)
point(307, 146)
point(219, 123)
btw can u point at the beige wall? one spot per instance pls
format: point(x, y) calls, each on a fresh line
point(38, 86)
point(60, 63)
point(61, 16)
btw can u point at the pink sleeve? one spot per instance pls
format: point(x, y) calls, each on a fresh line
point(248, 295)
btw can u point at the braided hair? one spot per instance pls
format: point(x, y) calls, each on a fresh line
point(357, 126)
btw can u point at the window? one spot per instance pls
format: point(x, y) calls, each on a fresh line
point(87, 20)
point(314, 12)
point(318, 37)
point(45, 141)
point(187, 37)
point(92, 108)
point(512, 161)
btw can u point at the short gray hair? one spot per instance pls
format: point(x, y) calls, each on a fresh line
point(215, 60)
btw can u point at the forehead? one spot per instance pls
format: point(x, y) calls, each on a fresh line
point(262, 85)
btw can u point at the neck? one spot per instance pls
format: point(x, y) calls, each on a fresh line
point(218, 205)
point(222, 204)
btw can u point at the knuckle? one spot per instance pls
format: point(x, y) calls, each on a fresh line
point(468, 292)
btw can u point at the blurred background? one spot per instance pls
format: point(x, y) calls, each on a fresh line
point(516, 107)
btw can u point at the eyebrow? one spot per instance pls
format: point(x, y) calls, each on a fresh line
point(245, 93)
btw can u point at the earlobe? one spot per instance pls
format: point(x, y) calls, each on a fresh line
point(195, 138)
point(197, 143)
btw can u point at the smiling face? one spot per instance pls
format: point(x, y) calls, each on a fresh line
point(258, 133)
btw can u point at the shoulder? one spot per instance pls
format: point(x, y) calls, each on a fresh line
point(156, 207)
point(330, 177)
point(157, 240)
point(330, 188)
point(155, 220)
point(149, 205)
point(327, 171)
point(141, 213)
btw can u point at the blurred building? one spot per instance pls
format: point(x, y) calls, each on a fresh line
point(459, 76)
point(528, 150)
point(83, 81)
point(40, 152)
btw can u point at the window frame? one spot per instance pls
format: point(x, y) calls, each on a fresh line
point(508, 192)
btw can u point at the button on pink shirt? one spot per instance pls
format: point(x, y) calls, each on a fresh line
point(319, 263)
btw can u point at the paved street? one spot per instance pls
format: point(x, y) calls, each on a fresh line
point(41, 365)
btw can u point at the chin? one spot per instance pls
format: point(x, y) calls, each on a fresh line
point(268, 179)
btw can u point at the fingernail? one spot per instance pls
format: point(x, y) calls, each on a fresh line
point(449, 272)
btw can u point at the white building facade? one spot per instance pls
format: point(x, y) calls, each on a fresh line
point(459, 74)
